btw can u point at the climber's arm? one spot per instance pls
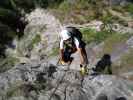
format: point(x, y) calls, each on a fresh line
point(61, 50)
point(82, 52)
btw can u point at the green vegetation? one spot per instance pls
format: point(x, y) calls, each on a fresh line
point(91, 35)
point(77, 12)
point(108, 18)
point(125, 63)
point(14, 90)
point(129, 8)
point(54, 52)
point(127, 60)
point(119, 9)
point(34, 41)
point(65, 6)
point(20, 88)
point(83, 11)
point(113, 41)
point(7, 63)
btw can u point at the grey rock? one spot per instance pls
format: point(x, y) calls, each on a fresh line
point(66, 85)
point(130, 42)
point(116, 2)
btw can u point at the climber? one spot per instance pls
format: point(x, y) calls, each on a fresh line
point(71, 41)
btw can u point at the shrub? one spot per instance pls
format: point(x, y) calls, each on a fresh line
point(113, 41)
point(91, 35)
point(129, 8)
point(54, 51)
point(34, 41)
point(7, 63)
point(127, 59)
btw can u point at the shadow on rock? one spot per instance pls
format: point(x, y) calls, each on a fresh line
point(51, 70)
point(104, 65)
point(121, 98)
point(102, 97)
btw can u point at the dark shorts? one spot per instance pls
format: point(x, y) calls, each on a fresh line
point(82, 44)
point(69, 51)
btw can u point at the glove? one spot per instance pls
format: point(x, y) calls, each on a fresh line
point(83, 69)
point(64, 63)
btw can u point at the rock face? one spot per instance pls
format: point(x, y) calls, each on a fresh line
point(130, 42)
point(116, 2)
point(35, 78)
point(39, 80)
point(40, 34)
point(92, 88)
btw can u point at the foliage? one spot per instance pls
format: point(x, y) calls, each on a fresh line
point(11, 12)
point(107, 18)
point(127, 59)
point(19, 88)
point(113, 41)
point(125, 63)
point(9, 24)
point(54, 51)
point(91, 35)
point(112, 44)
point(129, 8)
point(7, 63)
point(22, 89)
point(119, 8)
point(74, 11)
point(35, 40)
point(65, 6)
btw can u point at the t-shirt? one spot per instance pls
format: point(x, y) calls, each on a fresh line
point(76, 42)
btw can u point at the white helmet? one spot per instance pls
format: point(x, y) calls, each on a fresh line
point(65, 35)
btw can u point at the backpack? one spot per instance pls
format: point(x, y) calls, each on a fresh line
point(74, 32)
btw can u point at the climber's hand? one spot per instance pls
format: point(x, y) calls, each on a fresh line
point(62, 62)
point(84, 69)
